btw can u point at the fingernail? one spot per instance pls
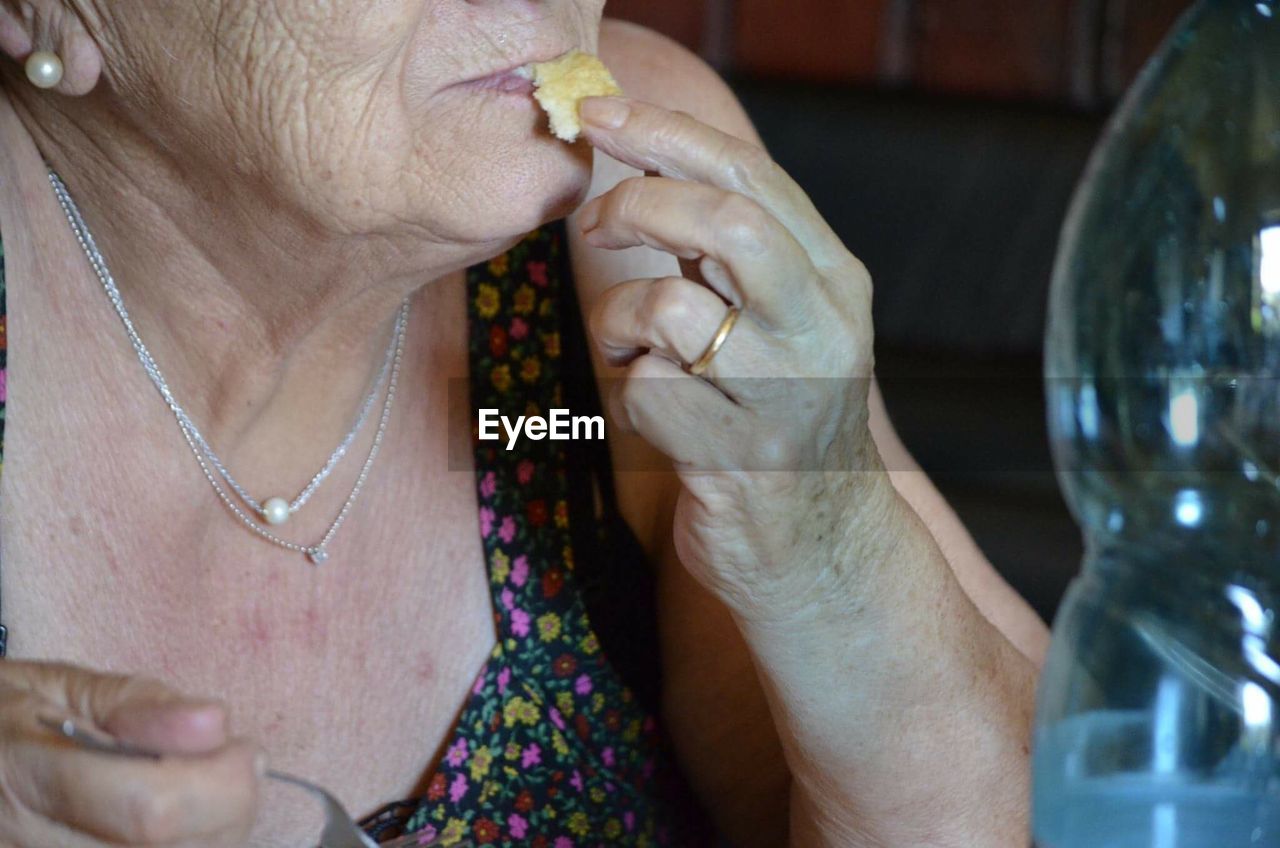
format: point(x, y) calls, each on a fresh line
point(605, 112)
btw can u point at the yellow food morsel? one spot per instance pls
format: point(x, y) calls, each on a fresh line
point(562, 83)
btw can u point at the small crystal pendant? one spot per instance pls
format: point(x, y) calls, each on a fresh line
point(317, 555)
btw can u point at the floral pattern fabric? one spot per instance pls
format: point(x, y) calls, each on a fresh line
point(552, 749)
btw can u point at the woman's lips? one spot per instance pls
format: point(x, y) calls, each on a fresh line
point(506, 82)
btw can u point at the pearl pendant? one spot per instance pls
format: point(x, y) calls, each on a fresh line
point(318, 556)
point(44, 69)
point(275, 511)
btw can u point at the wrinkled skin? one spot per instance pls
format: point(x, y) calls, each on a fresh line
point(337, 145)
point(344, 111)
point(339, 136)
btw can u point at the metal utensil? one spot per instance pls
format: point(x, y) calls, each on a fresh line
point(91, 741)
point(340, 830)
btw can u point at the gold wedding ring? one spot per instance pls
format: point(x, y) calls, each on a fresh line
point(726, 327)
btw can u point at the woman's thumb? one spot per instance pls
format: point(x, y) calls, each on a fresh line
point(138, 710)
point(170, 724)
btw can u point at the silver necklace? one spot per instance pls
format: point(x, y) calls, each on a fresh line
point(274, 510)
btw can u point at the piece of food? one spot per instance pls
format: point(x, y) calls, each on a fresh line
point(562, 83)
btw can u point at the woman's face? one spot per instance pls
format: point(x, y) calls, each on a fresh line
point(386, 117)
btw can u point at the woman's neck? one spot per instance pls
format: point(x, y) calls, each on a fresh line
point(259, 323)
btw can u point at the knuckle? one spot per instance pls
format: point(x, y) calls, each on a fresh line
point(598, 316)
point(750, 167)
point(858, 269)
point(854, 277)
point(627, 196)
point(94, 693)
point(139, 688)
point(153, 817)
point(775, 452)
point(742, 224)
point(667, 303)
point(679, 131)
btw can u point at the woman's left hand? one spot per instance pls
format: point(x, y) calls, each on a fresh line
point(767, 438)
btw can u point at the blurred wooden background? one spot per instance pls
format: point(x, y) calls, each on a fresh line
point(1077, 52)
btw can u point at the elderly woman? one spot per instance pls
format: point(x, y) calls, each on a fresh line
point(263, 247)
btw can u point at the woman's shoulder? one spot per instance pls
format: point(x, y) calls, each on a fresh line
point(652, 67)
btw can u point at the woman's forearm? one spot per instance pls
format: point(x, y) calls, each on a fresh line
point(905, 715)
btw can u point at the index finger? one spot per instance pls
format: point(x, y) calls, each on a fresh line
point(679, 146)
point(133, 801)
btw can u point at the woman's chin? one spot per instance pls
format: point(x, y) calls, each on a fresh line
point(522, 199)
point(571, 194)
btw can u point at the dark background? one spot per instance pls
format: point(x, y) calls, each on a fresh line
point(942, 140)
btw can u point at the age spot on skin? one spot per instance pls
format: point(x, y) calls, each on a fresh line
point(426, 668)
point(256, 628)
point(314, 627)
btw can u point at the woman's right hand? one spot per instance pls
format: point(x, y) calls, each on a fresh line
point(54, 794)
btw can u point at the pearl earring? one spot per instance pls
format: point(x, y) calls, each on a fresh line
point(44, 69)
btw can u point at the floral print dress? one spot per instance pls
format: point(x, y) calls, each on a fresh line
point(552, 748)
